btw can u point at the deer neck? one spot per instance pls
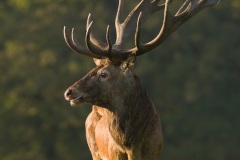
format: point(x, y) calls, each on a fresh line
point(129, 115)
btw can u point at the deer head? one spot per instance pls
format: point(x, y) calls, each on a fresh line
point(114, 62)
point(103, 83)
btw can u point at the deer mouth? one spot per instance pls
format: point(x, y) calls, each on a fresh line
point(77, 100)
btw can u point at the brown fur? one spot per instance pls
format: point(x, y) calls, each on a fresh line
point(123, 124)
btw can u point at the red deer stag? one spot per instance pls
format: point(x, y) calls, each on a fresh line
point(124, 124)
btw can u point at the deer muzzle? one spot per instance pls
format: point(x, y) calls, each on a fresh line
point(74, 97)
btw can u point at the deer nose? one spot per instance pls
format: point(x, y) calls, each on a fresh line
point(67, 94)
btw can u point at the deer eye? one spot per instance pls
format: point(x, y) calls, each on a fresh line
point(104, 75)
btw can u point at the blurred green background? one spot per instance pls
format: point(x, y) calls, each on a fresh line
point(193, 78)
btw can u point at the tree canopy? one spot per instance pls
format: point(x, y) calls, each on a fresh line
point(193, 79)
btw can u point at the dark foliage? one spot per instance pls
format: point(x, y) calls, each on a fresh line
point(193, 79)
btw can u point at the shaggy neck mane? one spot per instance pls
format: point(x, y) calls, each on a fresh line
point(134, 117)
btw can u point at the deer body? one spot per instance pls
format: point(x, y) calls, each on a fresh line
point(107, 144)
point(124, 124)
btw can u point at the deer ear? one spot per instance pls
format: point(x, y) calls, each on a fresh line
point(129, 63)
point(97, 61)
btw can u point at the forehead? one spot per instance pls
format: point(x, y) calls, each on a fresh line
point(105, 65)
point(105, 68)
point(95, 70)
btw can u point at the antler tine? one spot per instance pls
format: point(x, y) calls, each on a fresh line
point(108, 40)
point(138, 32)
point(143, 48)
point(119, 24)
point(75, 46)
point(88, 20)
point(93, 39)
point(124, 29)
point(92, 47)
point(107, 51)
point(194, 7)
point(118, 19)
point(171, 23)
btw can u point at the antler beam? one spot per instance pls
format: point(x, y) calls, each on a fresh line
point(171, 23)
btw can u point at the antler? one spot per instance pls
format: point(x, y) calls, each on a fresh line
point(115, 53)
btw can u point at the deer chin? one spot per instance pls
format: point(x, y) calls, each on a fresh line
point(77, 100)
